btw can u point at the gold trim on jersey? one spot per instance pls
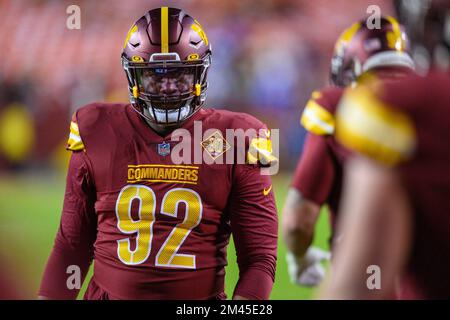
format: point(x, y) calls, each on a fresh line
point(74, 143)
point(317, 119)
point(316, 95)
point(260, 151)
point(367, 125)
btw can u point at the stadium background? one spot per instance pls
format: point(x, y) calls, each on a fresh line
point(268, 56)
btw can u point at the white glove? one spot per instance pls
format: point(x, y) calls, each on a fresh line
point(307, 270)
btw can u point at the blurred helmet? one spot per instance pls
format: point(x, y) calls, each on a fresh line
point(166, 57)
point(427, 22)
point(361, 48)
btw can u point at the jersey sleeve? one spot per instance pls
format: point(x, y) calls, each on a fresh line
point(76, 235)
point(315, 172)
point(254, 225)
point(368, 125)
point(253, 214)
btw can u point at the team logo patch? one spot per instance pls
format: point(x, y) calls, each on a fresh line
point(193, 56)
point(164, 149)
point(215, 145)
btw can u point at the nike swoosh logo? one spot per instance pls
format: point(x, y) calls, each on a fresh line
point(267, 191)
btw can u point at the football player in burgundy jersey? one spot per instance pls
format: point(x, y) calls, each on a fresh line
point(156, 229)
point(396, 207)
point(360, 52)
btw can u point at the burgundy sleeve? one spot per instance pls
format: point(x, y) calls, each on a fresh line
point(254, 225)
point(315, 171)
point(77, 232)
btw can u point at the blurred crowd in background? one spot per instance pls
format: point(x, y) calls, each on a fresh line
point(268, 56)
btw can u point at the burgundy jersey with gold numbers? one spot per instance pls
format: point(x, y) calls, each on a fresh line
point(405, 125)
point(160, 230)
point(318, 175)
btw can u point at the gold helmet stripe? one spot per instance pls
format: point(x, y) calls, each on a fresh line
point(394, 38)
point(164, 29)
point(395, 26)
point(130, 33)
point(347, 35)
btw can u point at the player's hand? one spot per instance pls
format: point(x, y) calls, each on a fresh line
point(307, 270)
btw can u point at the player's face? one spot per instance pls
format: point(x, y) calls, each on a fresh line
point(167, 81)
point(166, 91)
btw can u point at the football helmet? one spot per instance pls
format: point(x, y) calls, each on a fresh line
point(361, 48)
point(166, 56)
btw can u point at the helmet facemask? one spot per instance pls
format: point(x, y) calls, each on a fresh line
point(342, 72)
point(165, 90)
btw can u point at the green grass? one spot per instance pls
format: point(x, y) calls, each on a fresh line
point(30, 210)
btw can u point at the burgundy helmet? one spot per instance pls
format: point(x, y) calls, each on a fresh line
point(361, 48)
point(166, 57)
point(427, 23)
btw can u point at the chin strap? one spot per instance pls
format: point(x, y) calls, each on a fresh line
point(153, 121)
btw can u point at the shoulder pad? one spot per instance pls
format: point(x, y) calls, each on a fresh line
point(367, 125)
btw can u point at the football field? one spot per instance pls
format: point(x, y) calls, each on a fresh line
point(30, 207)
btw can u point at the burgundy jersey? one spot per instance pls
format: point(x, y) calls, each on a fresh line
point(318, 175)
point(405, 125)
point(319, 172)
point(158, 229)
point(10, 289)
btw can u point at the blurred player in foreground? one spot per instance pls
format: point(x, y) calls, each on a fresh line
point(396, 203)
point(158, 229)
point(360, 52)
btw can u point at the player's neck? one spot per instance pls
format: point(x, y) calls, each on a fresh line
point(160, 129)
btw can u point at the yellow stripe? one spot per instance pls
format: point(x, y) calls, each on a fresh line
point(394, 38)
point(74, 128)
point(161, 165)
point(130, 33)
point(75, 145)
point(317, 119)
point(199, 30)
point(167, 181)
point(347, 35)
point(368, 126)
point(395, 26)
point(260, 150)
point(164, 30)
point(316, 95)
